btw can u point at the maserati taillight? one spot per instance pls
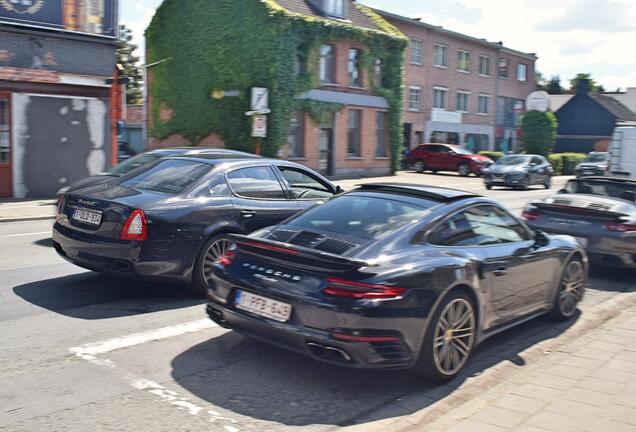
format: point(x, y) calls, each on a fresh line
point(135, 227)
point(360, 290)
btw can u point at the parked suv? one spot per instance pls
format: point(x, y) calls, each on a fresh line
point(595, 164)
point(446, 157)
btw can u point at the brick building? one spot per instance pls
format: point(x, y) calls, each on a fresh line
point(359, 137)
point(56, 112)
point(460, 89)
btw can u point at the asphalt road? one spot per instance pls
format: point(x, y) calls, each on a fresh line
point(81, 351)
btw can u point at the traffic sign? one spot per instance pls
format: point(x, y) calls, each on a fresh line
point(259, 126)
point(259, 112)
point(260, 98)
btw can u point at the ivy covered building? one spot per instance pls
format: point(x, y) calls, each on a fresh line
point(333, 69)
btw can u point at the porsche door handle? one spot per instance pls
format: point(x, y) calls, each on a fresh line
point(500, 272)
point(248, 213)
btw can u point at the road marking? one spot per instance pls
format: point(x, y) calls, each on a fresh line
point(26, 234)
point(91, 351)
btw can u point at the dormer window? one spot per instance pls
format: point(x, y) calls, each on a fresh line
point(335, 8)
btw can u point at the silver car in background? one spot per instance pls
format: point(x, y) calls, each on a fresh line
point(599, 211)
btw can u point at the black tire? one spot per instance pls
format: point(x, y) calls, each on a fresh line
point(548, 183)
point(429, 365)
point(489, 186)
point(419, 166)
point(525, 184)
point(463, 169)
point(571, 291)
point(202, 264)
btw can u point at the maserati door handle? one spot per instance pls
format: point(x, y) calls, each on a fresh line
point(248, 213)
point(500, 272)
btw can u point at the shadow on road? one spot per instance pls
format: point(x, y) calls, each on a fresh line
point(275, 385)
point(45, 242)
point(93, 296)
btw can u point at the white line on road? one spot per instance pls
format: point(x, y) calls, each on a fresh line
point(27, 234)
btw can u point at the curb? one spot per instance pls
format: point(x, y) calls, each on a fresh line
point(473, 385)
point(26, 219)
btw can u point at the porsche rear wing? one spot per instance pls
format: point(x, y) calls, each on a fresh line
point(297, 256)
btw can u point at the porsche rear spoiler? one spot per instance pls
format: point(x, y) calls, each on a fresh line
point(573, 209)
point(297, 256)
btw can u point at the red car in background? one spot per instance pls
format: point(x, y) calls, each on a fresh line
point(446, 157)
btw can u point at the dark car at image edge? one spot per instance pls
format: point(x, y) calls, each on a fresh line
point(169, 220)
point(395, 276)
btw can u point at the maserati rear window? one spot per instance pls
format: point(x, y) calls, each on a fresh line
point(169, 176)
point(364, 217)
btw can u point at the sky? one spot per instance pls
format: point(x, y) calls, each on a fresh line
point(569, 36)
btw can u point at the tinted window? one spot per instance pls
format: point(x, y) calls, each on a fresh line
point(625, 191)
point(303, 185)
point(536, 160)
point(597, 157)
point(513, 160)
point(256, 182)
point(364, 217)
point(479, 226)
point(135, 162)
point(170, 176)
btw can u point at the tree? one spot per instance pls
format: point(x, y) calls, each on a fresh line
point(539, 80)
point(594, 86)
point(130, 62)
point(539, 131)
point(553, 86)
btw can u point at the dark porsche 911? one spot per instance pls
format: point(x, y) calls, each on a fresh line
point(600, 211)
point(170, 219)
point(395, 277)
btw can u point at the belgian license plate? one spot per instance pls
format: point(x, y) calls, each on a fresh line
point(87, 217)
point(583, 241)
point(498, 180)
point(263, 306)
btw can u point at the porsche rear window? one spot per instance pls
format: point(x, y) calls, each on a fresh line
point(169, 176)
point(364, 217)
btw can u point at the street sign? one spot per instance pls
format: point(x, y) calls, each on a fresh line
point(259, 112)
point(220, 94)
point(260, 98)
point(538, 101)
point(259, 126)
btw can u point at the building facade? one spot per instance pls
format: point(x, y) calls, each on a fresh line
point(460, 89)
point(334, 81)
point(57, 115)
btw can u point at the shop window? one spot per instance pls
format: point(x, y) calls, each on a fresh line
point(477, 142)
point(445, 137)
point(5, 132)
point(353, 144)
point(296, 138)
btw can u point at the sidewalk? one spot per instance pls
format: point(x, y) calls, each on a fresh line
point(25, 210)
point(588, 385)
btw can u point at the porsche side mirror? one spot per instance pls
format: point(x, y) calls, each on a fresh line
point(541, 239)
point(562, 191)
point(338, 190)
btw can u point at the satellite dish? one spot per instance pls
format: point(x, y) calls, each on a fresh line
point(538, 101)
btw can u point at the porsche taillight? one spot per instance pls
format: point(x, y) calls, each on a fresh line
point(136, 227)
point(360, 290)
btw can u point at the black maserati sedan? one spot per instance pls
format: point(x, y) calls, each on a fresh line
point(171, 219)
point(394, 276)
point(599, 211)
point(519, 171)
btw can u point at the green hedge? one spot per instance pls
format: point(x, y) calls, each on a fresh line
point(564, 163)
point(494, 155)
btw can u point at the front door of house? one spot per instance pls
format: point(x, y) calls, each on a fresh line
point(326, 150)
point(5, 146)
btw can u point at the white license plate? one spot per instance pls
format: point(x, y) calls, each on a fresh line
point(263, 306)
point(498, 180)
point(583, 241)
point(87, 217)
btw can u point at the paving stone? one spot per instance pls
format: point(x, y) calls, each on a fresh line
point(582, 362)
point(621, 413)
point(604, 386)
point(528, 428)
point(621, 365)
point(554, 382)
point(606, 425)
point(606, 346)
point(474, 426)
point(519, 403)
point(587, 397)
point(572, 409)
point(568, 372)
point(625, 399)
point(594, 354)
point(553, 422)
point(613, 375)
point(537, 392)
point(500, 417)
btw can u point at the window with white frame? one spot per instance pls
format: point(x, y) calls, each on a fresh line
point(327, 64)
point(503, 68)
point(484, 65)
point(417, 51)
point(463, 61)
point(415, 98)
point(522, 72)
point(463, 100)
point(440, 96)
point(440, 55)
point(335, 8)
point(484, 104)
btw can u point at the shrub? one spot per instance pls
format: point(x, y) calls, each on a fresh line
point(494, 155)
point(564, 163)
point(539, 132)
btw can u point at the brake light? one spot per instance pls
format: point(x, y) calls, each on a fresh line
point(60, 205)
point(530, 215)
point(270, 247)
point(227, 258)
point(359, 290)
point(135, 227)
point(620, 227)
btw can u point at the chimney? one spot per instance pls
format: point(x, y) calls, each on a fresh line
point(583, 87)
